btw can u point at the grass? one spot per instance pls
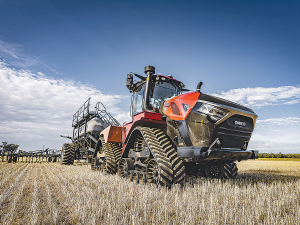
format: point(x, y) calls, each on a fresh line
point(279, 159)
point(265, 192)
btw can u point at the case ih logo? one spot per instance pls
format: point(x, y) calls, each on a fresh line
point(240, 123)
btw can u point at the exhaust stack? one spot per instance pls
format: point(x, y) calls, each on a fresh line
point(149, 70)
point(199, 86)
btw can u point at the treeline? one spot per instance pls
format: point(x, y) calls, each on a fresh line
point(279, 155)
point(10, 148)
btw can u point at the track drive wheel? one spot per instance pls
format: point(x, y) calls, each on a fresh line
point(125, 165)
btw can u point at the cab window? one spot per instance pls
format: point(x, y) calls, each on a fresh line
point(162, 92)
point(137, 101)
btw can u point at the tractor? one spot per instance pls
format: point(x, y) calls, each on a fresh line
point(175, 133)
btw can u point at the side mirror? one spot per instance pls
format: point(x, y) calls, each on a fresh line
point(129, 82)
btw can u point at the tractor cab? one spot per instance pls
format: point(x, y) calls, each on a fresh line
point(149, 96)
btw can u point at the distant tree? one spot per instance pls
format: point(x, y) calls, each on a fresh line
point(263, 155)
point(280, 155)
point(10, 148)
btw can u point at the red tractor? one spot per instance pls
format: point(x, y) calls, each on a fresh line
point(174, 134)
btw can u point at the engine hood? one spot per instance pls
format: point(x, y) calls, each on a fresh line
point(209, 98)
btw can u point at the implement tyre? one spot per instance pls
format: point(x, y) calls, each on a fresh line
point(213, 170)
point(229, 170)
point(108, 161)
point(72, 154)
point(66, 153)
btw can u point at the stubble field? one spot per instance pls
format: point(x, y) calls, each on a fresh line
point(265, 192)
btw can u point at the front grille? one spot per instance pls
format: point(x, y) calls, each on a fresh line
point(234, 134)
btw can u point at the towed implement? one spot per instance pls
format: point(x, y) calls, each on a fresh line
point(174, 133)
point(87, 143)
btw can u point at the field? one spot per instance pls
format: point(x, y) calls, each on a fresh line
point(265, 192)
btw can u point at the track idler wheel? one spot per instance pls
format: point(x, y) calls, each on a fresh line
point(125, 166)
point(143, 178)
point(134, 176)
point(154, 173)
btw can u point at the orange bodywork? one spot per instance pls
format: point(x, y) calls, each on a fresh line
point(112, 134)
point(179, 107)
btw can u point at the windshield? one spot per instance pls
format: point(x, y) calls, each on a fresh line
point(162, 92)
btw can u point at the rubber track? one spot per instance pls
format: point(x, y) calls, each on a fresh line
point(93, 167)
point(177, 165)
point(166, 176)
point(229, 170)
point(111, 164)
point(117, 152)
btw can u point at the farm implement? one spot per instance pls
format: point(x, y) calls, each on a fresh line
point(47, 155)
point(174, 133)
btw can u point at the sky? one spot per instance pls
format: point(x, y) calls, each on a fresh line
point(56, 54)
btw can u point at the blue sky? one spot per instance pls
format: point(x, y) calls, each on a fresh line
point(55, 54)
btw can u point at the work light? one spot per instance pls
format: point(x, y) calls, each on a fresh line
point(214, 113)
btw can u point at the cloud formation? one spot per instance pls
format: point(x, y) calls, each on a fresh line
point(14, 55)
point(279, 121)
point(276, 135)
point(260, 96)
point(35, 109)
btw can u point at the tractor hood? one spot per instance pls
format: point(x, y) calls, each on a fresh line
point(209, 98)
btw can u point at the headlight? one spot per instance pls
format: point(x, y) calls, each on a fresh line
point(213, 112)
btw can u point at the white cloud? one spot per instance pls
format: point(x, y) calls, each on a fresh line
point(259, 96)
point(276, 135)
point(35, 109)
point(15, 56)
point(8, 50)
point(279, 121)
